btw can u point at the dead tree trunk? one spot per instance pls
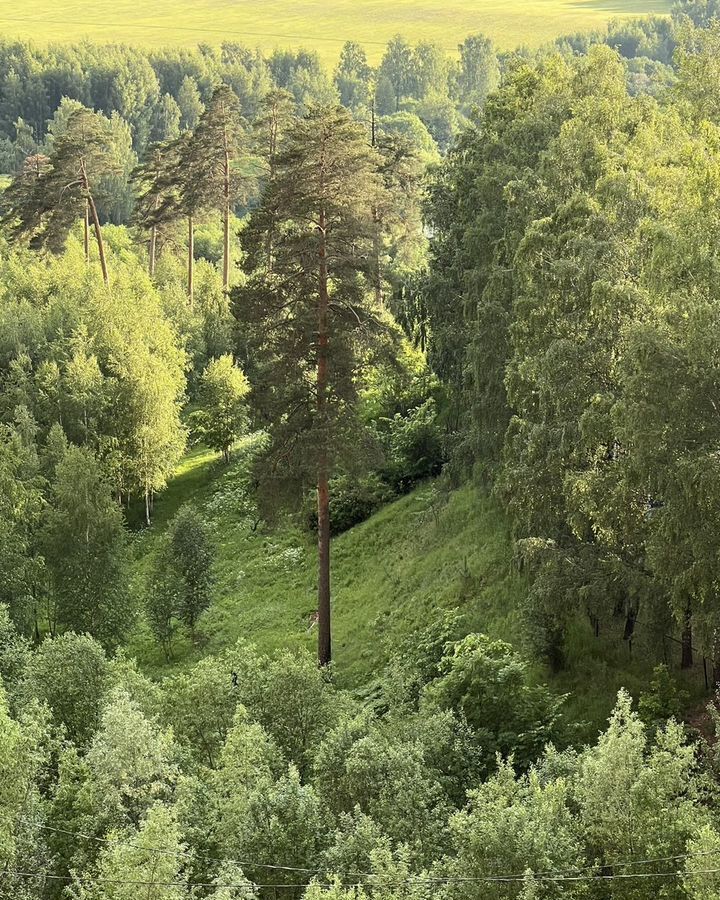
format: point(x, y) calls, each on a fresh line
point(86, 233)
point(99, 239)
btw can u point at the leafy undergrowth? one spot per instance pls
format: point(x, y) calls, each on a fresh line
point(392, 576)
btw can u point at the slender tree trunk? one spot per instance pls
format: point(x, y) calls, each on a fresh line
point(323, 491)
point(686, 659)
point(99, 239)
point(147, 506)
point(86, 233)
point(226, 222)
point(153, 249)
point(153, 242)
point(274, 130)
point(377, 274)
point(191, 259)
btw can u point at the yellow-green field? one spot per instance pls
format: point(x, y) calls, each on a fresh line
point(320, 24)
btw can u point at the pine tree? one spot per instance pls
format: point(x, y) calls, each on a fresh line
point(210, 163)
point(311, 321)
point(49, 195)
point(157, 187)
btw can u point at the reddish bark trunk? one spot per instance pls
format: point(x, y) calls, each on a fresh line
point(191, 259)
point(686, 659)
point(323, 492)
point(226, 223)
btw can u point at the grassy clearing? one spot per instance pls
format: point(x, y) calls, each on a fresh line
point(391, 576)
point(310, 23)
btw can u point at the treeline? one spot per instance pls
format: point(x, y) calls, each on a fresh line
point(159, 95)
point(250, 777)
point(573, 313)
point(421, 90)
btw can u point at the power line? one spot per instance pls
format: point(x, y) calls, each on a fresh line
point(187, 854)
point(548, 874)
point(51, 876)
point(496, 879)
point(199, 30)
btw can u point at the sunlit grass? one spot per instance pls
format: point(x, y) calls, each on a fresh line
point(392, 575)
point(309, 23)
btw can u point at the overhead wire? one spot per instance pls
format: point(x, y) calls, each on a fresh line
point(573, 874)
point(419, 879)
point(249, 863)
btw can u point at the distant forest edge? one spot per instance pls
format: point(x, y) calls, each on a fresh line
point(322, 27)
point(425, 91)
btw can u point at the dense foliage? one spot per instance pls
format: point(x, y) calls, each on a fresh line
point(247, 775)
point(571, 304)
point(498, 268)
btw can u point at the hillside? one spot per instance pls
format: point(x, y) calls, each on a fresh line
point(323, 27)
point(393, 575)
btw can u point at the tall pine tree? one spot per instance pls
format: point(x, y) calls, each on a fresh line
point(211, 161)
point(310, 319)
point(48, 196)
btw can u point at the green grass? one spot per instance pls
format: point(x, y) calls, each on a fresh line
point(323, 26)
point(392, 575)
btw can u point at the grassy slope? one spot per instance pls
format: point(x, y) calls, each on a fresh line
point(320, 25)
point(391, 575)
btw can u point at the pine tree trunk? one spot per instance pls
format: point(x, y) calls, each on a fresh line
point(99, 239)
point(191, 259)
point(226, 223)
point(377, 274)
point(323, 492)
point(86, 233)
point(686, 659)
point(153, 249)
point(153, 241)
point(324, 632)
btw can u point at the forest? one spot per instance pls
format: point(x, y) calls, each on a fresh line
point(350, 422)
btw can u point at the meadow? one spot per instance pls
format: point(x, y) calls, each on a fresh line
point(322, 26)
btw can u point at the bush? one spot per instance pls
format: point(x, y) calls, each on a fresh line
point(663, 701)
point(413, 445)
point(489, 684)
point(352, 500)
